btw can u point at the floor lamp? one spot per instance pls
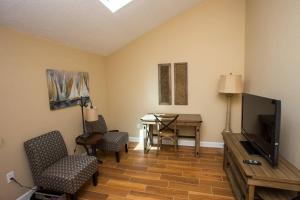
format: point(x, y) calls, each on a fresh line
point(230, 85)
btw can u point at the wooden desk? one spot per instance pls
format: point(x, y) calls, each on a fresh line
point(245, 178)
point(191, 120)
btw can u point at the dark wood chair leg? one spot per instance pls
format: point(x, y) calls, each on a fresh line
point(126, 148)
point(118, 156)
point(95, 178)
point(73, 196)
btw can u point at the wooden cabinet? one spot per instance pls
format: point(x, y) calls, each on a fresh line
point(248, 181)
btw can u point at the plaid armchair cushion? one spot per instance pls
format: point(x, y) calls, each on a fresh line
point(43, 151)
point(51, 166)
point(113, 141)
point(69, 173)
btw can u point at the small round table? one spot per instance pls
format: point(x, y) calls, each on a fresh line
point(92, 141)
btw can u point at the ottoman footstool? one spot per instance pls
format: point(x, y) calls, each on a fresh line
point(114, 141)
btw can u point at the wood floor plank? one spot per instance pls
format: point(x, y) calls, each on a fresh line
point(136, 195)
point(175, 162)
point(169, 171)
point(200, 196)
point(115, 176)
point(189, 187)
point(223, 198)
point(180, 179)
point(92, 195)
point(110, 190)
point(127, 184)
point(167, 192)
point(113, 197)
point(132, 167)
point(222, 192)
point(104, 170)
point(218, 184)
point(159, 183)
point(199, 174)
point(144, 175)
point(214, 171)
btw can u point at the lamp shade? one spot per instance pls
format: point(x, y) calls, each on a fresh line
point(91, 114)
point(231, 84)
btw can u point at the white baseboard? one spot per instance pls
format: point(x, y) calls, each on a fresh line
point(134, 139)
point(187, 142)
point(27, 195)
point(219, 145)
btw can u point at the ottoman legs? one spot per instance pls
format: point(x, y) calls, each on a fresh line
point(118, 153)
point(118, 156)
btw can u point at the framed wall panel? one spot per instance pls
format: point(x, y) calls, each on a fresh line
point(181, 83)
point(164, 84)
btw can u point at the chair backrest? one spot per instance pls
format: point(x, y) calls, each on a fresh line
point(166, 122)
point(43, 151)
point(98, 126)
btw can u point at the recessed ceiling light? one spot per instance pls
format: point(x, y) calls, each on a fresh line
point(115, 5)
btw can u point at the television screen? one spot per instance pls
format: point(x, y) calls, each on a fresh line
point(261, 124)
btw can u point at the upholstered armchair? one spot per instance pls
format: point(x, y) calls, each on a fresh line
point(53, 169)
point(112, 140)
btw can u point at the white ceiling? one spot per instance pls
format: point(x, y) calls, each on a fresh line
point(88, 24)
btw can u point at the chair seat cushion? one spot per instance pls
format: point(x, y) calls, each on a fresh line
point(168, 134)
point(69, 173)
point(113, 141)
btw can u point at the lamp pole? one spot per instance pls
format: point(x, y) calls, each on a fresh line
point(227, 128)
point(83, 104)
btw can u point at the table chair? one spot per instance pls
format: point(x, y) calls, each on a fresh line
point(166, 129)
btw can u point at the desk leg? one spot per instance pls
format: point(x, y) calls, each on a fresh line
point(197, 141)
point(146, 138)
point(150, 132)
point(251, 192)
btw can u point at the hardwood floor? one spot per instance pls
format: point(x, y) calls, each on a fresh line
point(166, 176)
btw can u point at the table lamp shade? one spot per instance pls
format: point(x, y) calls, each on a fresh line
point(231, 84)
point(91, 114)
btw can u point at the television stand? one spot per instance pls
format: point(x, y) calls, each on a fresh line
point(249, 148)
point(263, 181)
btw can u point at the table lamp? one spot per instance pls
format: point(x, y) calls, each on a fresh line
point(230, 85)
point(91, 114)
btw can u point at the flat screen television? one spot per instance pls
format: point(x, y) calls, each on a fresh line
point(261, 125)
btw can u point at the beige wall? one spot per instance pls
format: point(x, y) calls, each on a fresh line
point(24, 103)
point(273, 63)
point(210, 37)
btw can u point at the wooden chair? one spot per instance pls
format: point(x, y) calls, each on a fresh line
point(166, 129)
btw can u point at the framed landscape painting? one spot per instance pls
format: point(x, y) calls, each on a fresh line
point(65, 88)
